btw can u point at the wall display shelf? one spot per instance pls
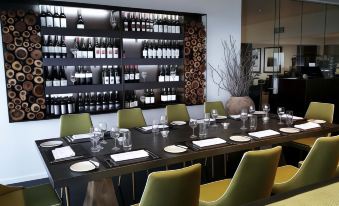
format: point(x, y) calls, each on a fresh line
point(116, 38)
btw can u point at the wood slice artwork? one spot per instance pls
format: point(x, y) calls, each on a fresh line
point(194, 63)
point(23, 66)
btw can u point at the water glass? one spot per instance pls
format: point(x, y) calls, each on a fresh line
point(127, 141)
point(253, 122)
point(202, 129)
point(115, 133)
point(207, 117)
point(214, 114)
point(289, 118)
point(155, 126)
point(280, 112)
point(103, 129)
point(193, 124)
point(95, 137)
point(164, 133)
point(251, 110)
point(243, 117)
point(266, 109)
point(163, 121)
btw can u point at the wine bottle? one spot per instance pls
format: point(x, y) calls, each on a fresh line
point(97, 51)
point(80, 21)
point(154, 50)
point(87, 102)
point(161, 77)
point(109, 49)
point(48, 104)
point(116, 75)
point(152, 96)
point(177, 25)
point(143, 22)
point(71, 105)
point(131, 74)
point(150, 50)
point(90, 49)
point(105, 102)
point(133, 22)
point(138, 21)
point(103, 48)
point(98, 106)
point(111, 74)
point(136, 73)
point(49, 17)
point(63, 105)
point(125, 21)
point(168, 50)
point(77, 46)
point(57, 47)
point(49, 76)
point(45, 46)
point(56, 17)
point(174, 95)
point(82, 76)
point(159, 50)
point(126, 71)
point(145, 51)
point(173, 51)
point(176, 78)
point(177, 50)
point(56, 78)
point(163, 97)
point(169, 23)
point(52, 105)
point(105, 75)
point(147, 97)
point(42, 9)
point(167, 74)
point(89, 76)
point(83, 49)
point(160, 24)
point(81, 103)
point(135, 100)
point(173, 23)
point(155, 23)
point(165, 24)
point(115, 50)
point(127, 100)
point(63, 78)
point(111, 102)
point(63, 48)
point(92, 104)
point(164, 49)
point(117, 102)
point(77, 76)
point(57, 109)
point(63, 22)
point(51, 47)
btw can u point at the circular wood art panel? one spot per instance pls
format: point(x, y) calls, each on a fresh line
point(195, 63)
point(22, 48)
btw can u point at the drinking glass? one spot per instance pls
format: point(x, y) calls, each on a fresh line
point(164, 133)
point(115, 133)
point(202, 129)
point(73, 79)
point(253, 122)
point(243, 117)
point(193, 124)
point(251, 110)
point(127, 141)
point(289, 118)
point(266, 109)
point(144, 76)
point(173, 72)
point(103, 129)
point(113, 20)
point(95, 137)
point(214, 114)
point(280, 112)
point(207, 119)
point(155, 126)
point(163, 121)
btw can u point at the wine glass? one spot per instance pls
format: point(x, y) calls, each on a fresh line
point(280, 112)
point(163, 121)
point(266, 109)
point(113, 20)
point(115, 133)
point(103, 129)
point(173, 72)
point(243, 117)
point(144, 76)
point(251, 110)
point(73, 79)
point(214, 114)
point(193, 124)
point(95, 137)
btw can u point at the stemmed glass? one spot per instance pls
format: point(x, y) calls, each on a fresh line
point(251, 110)
point(280, 112)
point(173, 72)
point(214, 114)
point(144, 76)
point(73, 79)
point(95, 137)
point(103, 129)
point(115, 133)
point(266, 109)
point(243, 117)
point(163, 121)
point(193, 124)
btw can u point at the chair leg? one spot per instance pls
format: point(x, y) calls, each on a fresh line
point(225, 164)
point(212, 162)
point(67, 196)
point(133, 186)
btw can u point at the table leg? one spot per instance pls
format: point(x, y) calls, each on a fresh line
point(67, 196)
point(212, 163)
point(225, 161)
point(101, 193)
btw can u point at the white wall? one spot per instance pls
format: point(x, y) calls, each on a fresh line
point(19, 158)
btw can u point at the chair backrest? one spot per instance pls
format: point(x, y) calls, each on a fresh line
point(8, 189)
point(177, 112)
point(208, 106)
point(319, 165)
point(323, 111)
point(131, 118)
point(173, 187)
point(71, 124)
point(253, 179)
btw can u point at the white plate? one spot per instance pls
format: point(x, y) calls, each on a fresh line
point(175, 149)
point(178, 123)
point(289, 130)
point(318, 121)
point(259, 112)
point(221, 117)
point(53, 143)
point(84, 166)
point(123, 130)
point(239, 138)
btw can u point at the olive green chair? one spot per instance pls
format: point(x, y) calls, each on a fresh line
point(252, 180)
point(208, 106)
point(316, 110)
point(42, 195)
point(319, 165)
point(131, 118)
point(337, 172)
point(173, 187)
point(71, 124)
point(177, 112)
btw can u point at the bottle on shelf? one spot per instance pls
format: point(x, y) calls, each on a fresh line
point(83, 48)
point(147, 97)
point(131, 73)
point(143, 22)
point(109, 49)
point(92, 104)
point(111, 101)
point(63, 22)
point(116, 75)
point(150, 50)
point(51, 47)
point(160, 23)
point(136, 74)
point(49, 17)
point(89, 76)
point(138, 21)
point(57, 106)
point(42, 9)
point(82, 76)
point(62, 75)
point(63, 105)
point(165, 23)
point(90, 49)
point(103, 48)
point(132, 22)
point(87, 101)
point(161, 77)
point(127, 100)
point(45, 46)
point(155, 23)
point(98, 107)
point(97, 51)
point(80, 21)
point(167, 73)
point(174, 95)
point(163, 95)
point(117, 101)
point(56, 17)
point(125, 21)
point(56, 77)
point(77, 48)
point(135, 100)
point(48, 76)
point(70, 105)
point(81, 103)
point(105, 102)
point(105, 75)
point(63, 48)
point(57, 47)
point(145, 50)
point(115, 50)
point(152, 96)
point(111, 75)
point(177, 25)
point(126, 73)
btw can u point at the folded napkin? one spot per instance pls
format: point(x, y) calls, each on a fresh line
point(147, 128)
point(129, 155)
point(294, 117)
point(308, 125)
point(209, 142)
point(63, 152)
point(202, 120)
point(264, 133)
point(259, 112)
point(237, 116)
point(81, 136)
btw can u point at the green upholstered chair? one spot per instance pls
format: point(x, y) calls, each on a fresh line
point(173, 187)
point(337, 172)
point(71, 124)
point(177, 112)
point(316, 110)
point(319, 165)
point(252, 180)
point(208, 106)
point(131, 118)
point(42, 195)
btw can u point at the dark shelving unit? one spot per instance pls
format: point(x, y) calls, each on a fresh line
point(80, 62)
point(152, 85)
point(80, 32)
point(151, 35)
point(84, 88)
point(141, 61)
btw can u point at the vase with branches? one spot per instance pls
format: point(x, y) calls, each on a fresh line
point(235, 75)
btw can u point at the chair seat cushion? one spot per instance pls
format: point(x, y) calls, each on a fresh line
point(308, 142)
point(13, 198)
point(214, 190)
point(42, 195)
point(285, 173)
point(337, 172)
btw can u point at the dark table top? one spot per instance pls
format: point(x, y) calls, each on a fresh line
point(60, 175)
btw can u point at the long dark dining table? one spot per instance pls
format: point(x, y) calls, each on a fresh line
point(60, 174)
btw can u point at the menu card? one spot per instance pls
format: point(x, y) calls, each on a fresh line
point(264, 133)
point(81, 136)
point(308, 125)
point(129, 155)
point(209, 142)
point(63, 152)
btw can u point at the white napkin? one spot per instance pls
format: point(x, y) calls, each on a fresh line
point(263, 133)
point(63, 152)
point(294, 117)
point(259, 112)
point(150, 127)
point(202, 120)
point(81, 136)
point(209, 142)
point(308, 125)
point(129, 155)
point(237, 116)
